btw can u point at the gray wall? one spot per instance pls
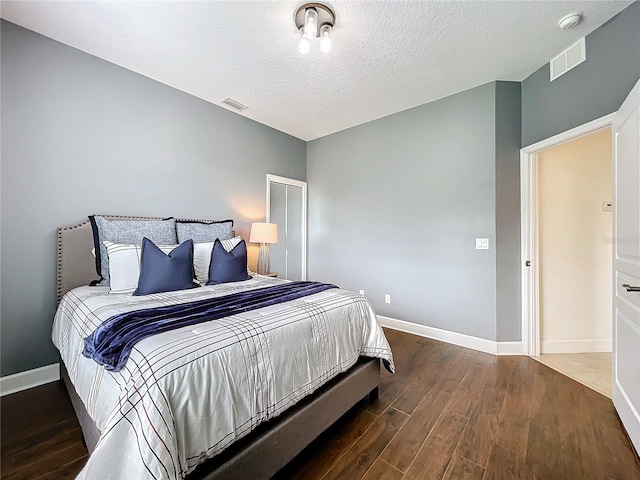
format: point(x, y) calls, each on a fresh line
point(80, 136)
point(507, 171)
point(395, 206)
point(591, 90)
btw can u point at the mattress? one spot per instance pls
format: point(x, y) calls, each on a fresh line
point(186, 395)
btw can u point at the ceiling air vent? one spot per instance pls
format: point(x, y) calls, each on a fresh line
point(235, 104)
point(572, 56)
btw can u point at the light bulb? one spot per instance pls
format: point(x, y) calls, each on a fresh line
point(325, 37)
point(304, 46)
point(310, 23)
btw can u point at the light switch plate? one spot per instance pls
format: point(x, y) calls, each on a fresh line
point(482, 244)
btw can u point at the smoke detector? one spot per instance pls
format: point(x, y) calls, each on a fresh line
point(570, 20)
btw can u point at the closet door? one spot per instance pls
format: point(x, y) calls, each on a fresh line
point(277, 213)
point(294, 233)
point(287, 207)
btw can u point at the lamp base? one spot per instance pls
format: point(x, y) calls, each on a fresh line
point(264, 262)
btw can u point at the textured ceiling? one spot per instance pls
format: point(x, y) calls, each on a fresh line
point(387, 55)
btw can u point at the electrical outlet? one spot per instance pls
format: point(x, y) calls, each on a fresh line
point(362, 292)
point(387, 298)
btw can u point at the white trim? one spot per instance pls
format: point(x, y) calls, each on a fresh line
point(455, 338)
point(294, 183)
point(530, 276)
point(29, 379)
point(286, 181)
point(510, 348)
point(576, 346)
point(528, 245)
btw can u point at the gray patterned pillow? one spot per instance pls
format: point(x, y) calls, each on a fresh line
point(161, 232)
point(201, 232)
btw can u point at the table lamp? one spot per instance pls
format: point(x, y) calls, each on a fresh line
point(264, 234)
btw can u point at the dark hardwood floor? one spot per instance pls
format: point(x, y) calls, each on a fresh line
point(448, 413)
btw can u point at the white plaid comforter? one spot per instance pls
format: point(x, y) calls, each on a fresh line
point(185, 395)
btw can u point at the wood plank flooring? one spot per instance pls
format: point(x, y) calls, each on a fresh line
point(448, 413)
point(470, 415)
point(40, 436)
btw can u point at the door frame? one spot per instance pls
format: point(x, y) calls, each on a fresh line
point(529, 241)
point(293, 183)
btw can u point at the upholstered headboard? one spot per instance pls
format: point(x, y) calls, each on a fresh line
point(75, 264)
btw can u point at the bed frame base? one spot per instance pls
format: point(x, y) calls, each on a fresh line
point(90, 432)
point(274, 444)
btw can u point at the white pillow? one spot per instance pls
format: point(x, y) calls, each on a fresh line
point(202, 256)
point(124, 265)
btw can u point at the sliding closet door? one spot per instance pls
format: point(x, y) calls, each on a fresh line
point(278, 206)
point(286, 207)
point(294, 233)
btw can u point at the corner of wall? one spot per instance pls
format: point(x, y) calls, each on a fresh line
point(507, 170)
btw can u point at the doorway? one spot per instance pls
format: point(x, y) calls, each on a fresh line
point(566, 235)
point(287, 208)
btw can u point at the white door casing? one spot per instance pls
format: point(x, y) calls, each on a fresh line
point(626, 265)
point(287, 206)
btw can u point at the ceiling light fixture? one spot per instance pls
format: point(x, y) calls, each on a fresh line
point(314, 20)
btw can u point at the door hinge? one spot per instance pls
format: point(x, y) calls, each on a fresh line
point(528, 263)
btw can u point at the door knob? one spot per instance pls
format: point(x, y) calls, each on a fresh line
point(630, 288)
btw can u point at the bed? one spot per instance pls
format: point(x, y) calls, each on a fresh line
point(146, 422)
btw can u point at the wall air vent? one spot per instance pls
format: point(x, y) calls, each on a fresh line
point(235, 104)
point(572, 56)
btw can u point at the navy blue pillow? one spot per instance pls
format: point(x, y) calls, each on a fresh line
point(228, 266)
point(160, 272)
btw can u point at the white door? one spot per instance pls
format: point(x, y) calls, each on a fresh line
point(626, 265)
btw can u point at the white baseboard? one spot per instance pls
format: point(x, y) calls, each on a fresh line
point(575, 346)
point(29, 379)
point(460, 339)
point(509, 348)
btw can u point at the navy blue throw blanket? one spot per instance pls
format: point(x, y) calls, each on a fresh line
point(111, 343)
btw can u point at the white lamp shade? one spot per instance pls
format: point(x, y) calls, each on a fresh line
point(264, 233)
